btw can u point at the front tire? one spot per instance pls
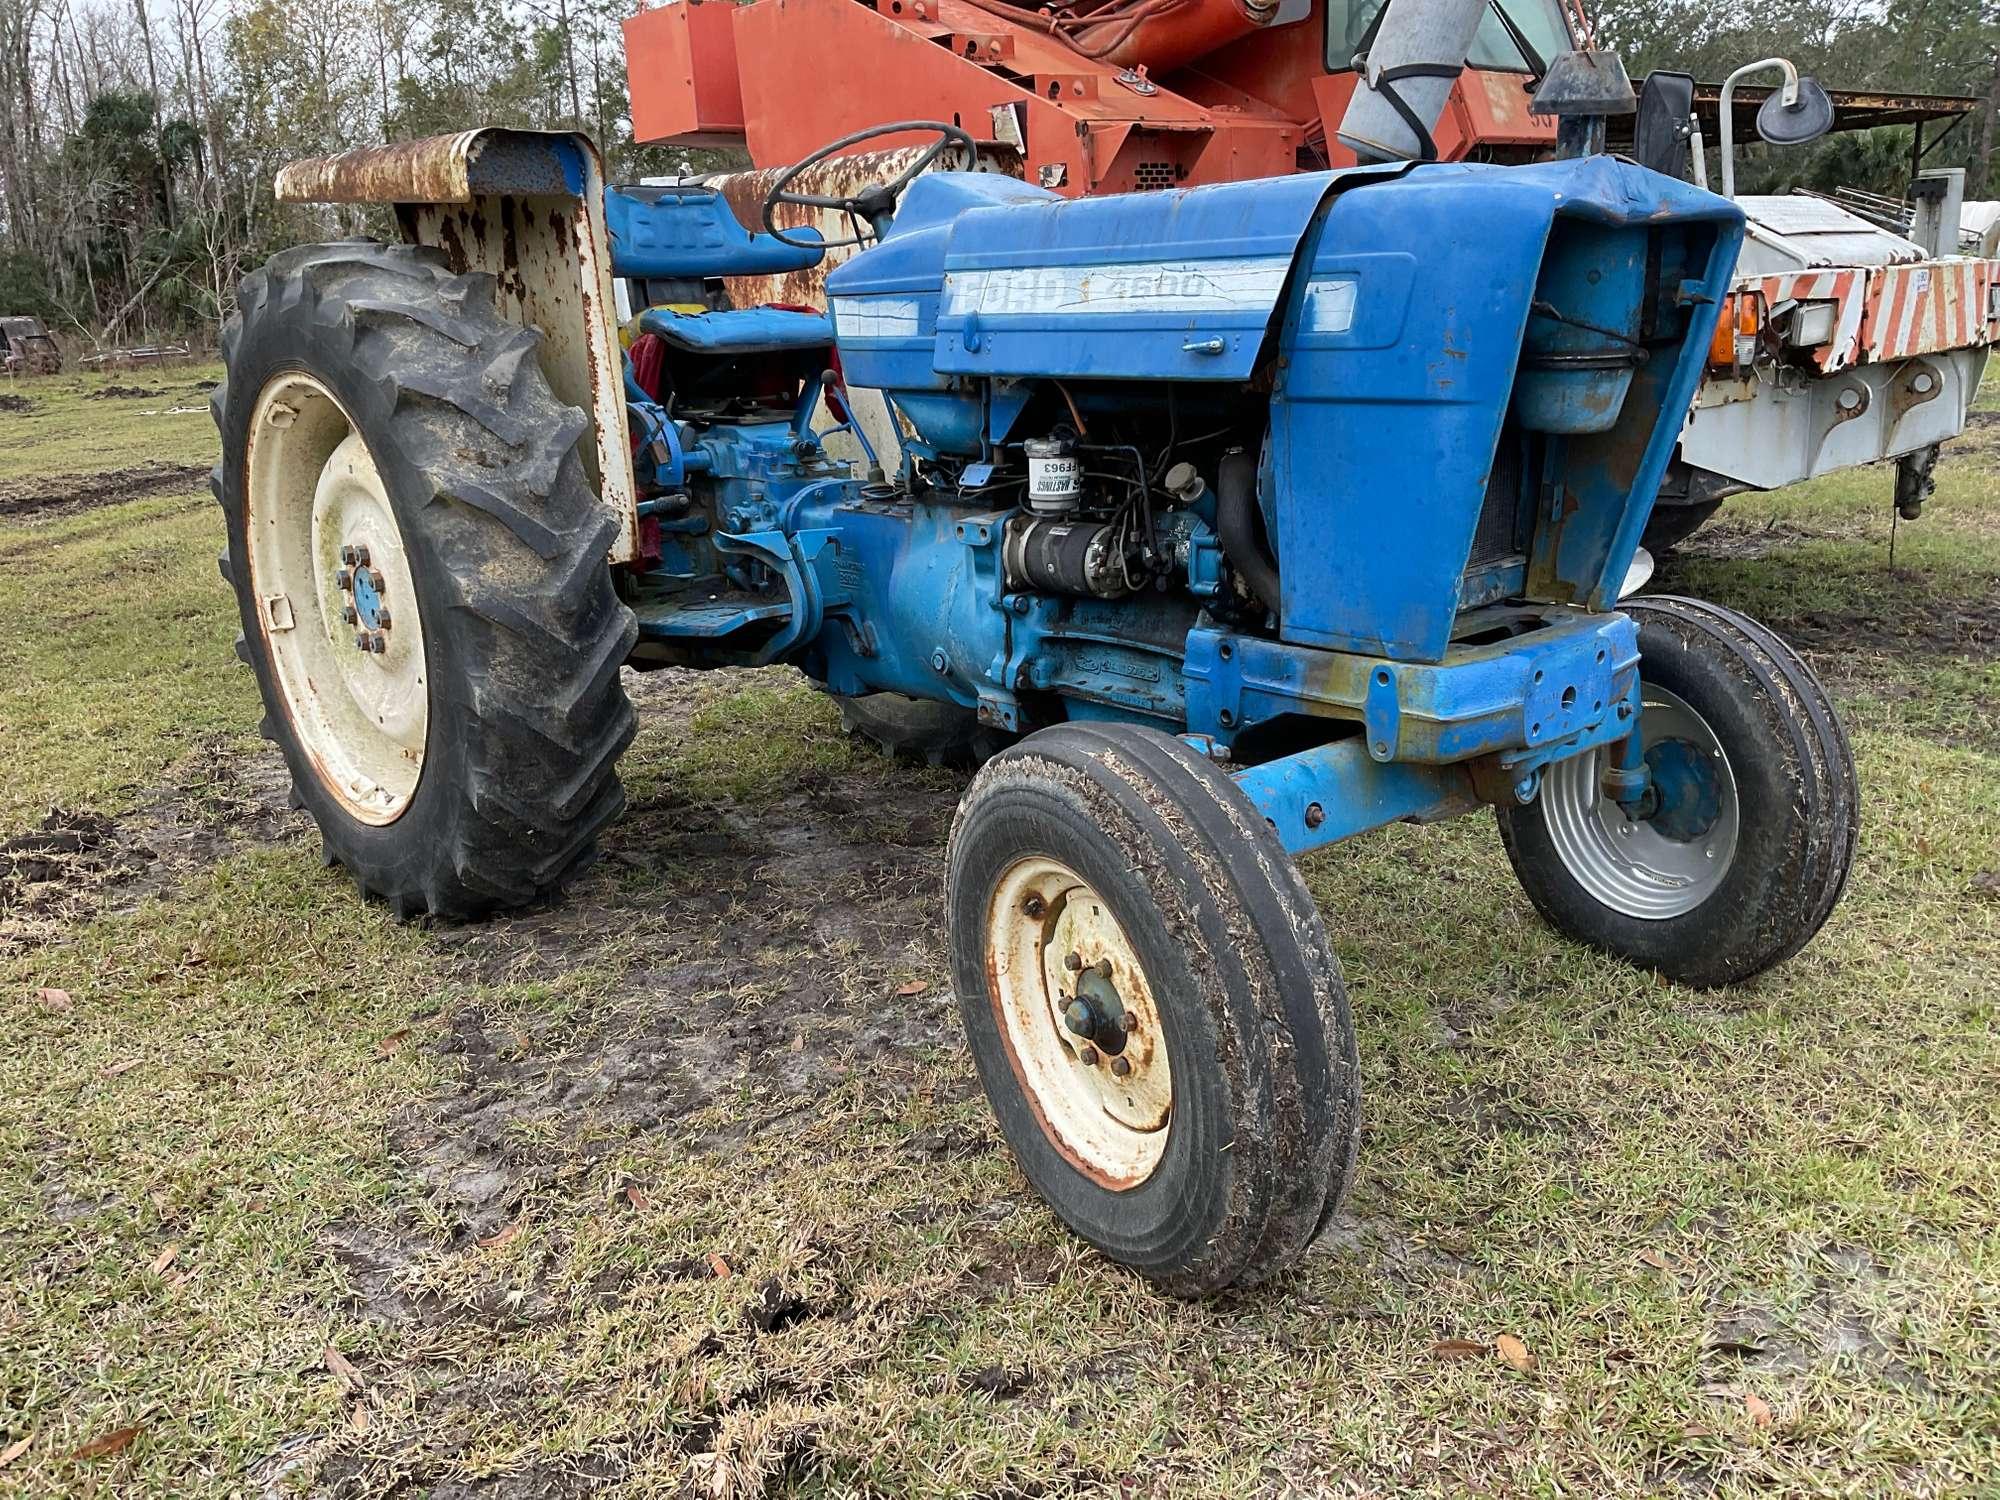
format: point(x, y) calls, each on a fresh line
point(420, 570)
point(1750, 845)
point(1115, 899)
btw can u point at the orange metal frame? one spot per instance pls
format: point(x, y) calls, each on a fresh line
point(782, 77)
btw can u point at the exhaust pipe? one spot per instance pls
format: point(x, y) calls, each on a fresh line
point(1408, 68)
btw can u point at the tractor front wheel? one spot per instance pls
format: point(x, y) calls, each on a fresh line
point(1152, 1004)
point(419, 566)
point(1743, 843)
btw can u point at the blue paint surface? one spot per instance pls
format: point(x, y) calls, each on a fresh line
point(1689, 795)
point(689, 233)
point(1462, 385)
point(367, 598)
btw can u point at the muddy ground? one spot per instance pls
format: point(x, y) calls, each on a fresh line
point(778, 939)
point(78, 864)
point(48, 496)
point(682, 1184)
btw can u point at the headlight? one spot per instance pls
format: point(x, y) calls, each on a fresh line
point(1812, 324)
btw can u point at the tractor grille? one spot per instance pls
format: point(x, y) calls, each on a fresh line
point(1499, 533)
point(1150, 176)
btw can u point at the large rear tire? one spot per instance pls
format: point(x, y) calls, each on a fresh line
point(420, 570)
point(1152, 1003)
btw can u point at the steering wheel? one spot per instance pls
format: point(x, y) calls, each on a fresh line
point(872, 203)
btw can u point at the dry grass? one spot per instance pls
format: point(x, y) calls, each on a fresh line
point(1747, 1239)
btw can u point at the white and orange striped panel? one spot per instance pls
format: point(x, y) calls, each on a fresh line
point(1928, 307)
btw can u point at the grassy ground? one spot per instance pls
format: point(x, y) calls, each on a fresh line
point(678, 1188)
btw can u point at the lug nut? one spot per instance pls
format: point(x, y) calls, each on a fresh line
point(347, 555)
point(343, 579)
point(361, 557)
point(375, 580)
point(1104, 967)
point(1073, 962)
point(347, 615)
point(381, 619)
point(1087, 1056)
point(1120, 1066)
point(361, 641)
point(376, 644)
point(1129, 1022)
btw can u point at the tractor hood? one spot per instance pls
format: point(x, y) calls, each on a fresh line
point(983, 275)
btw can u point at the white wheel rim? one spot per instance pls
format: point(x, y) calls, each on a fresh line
point(1634, 866)
point(1111, 1124)
point(361, 715)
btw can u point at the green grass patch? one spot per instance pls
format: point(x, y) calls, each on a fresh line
point(1747, 1239)
point(71, 425)
point(122, 659)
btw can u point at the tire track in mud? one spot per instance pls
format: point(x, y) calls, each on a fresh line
point(77, 863)
point(777, 946)
point(46, 496)
point(778, 939)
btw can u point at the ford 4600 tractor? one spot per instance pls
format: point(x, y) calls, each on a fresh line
point(1225, 523)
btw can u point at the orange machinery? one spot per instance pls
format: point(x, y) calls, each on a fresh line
point(1098, 96)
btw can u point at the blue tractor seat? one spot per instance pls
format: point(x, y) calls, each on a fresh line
point(744, 330)
point(690, 232)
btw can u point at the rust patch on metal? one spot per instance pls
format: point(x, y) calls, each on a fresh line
point(453, 245)
point(841, 177)
point(1028, 1096)
point(1919, 382)
point(432, 170)
point(437, 169)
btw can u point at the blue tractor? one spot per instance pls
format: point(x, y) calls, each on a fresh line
point(1222, 524)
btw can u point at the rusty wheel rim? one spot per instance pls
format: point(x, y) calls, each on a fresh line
point(335, 602)
point(1076, 1010)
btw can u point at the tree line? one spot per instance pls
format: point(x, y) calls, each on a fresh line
point(139, 138)
point(1886, 46)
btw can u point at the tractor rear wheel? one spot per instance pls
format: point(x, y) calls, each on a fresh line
point(1152, 1003)
point(419, 566)
point(1753, 810)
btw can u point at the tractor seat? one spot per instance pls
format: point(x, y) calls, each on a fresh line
point(691, 232)
point(743, 330)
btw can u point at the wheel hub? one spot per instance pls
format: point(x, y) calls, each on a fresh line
point(1079, 1018)
point(365, 609)
point(1095, 1012)
point(1674, 855)
point(1685, 799)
